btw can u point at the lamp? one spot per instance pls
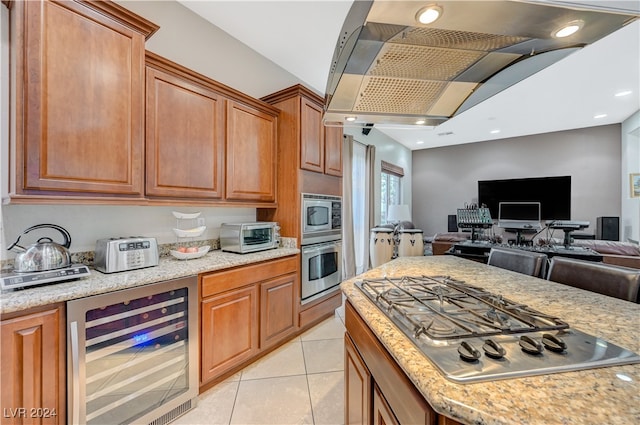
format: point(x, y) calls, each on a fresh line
point(397, 214)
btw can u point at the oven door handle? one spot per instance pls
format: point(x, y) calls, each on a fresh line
point(330, 247)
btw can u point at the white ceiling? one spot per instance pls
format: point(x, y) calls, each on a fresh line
point(300, 36)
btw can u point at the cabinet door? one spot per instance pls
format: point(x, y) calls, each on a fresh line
point(382, 414)
point(311, 136)
point(357, 386)
point(33, 368)
point(278, 309)
point(251, 154)
point(229, 331)
point(80, 121)
point(185, 138)
point(333, 151)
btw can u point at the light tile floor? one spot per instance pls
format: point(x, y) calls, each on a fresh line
point(298, 383)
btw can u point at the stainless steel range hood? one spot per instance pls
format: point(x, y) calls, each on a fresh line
point(389, 69)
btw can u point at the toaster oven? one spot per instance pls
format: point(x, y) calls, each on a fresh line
point(242, 238)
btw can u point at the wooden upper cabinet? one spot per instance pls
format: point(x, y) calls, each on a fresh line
point(333, 151)
point(311, 136)
point(304, 133)
point(251, 153)
point(79, 84)
point(184, 138)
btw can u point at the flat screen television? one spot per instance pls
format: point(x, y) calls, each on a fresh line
point(553, 193)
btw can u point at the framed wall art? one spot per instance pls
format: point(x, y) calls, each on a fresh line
point(634, 184)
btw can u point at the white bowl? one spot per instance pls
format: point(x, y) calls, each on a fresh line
point(185, 216)
point(190, 255)
point(189, 233)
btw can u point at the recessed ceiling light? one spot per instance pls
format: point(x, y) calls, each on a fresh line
point(351, 119)
point(568, 29)
point(599, 116)
point(420, 142)
point(496, 131)
point(420, 122)
point(429, 14)
point(623, 93)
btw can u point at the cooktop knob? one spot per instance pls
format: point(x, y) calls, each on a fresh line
point(468, 352)
point(530, 345)
point(553, 343)
point(493, 349)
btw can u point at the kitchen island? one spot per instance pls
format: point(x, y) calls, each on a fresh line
point(595, 396)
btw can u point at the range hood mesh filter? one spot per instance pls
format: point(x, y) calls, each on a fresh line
point(383, 95)
point(453, 39)
point(424, 63)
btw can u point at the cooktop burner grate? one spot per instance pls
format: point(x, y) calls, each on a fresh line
point(444, 308)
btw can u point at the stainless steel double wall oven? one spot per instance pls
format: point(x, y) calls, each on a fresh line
point(321, 245)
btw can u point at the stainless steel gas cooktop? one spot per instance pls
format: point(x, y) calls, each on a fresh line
point(472, 335)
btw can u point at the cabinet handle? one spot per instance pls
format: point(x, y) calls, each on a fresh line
point(75, 374)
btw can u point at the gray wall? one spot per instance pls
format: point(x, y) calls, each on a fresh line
point(446, 178)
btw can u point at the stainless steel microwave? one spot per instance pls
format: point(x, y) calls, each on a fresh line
point(242, 238)
point(321, 218)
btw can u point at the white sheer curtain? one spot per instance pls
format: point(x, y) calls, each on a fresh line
point(359, 187)
point(357, 206)
point(348, 251)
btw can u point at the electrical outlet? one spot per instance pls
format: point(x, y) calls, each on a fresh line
point(200, 221)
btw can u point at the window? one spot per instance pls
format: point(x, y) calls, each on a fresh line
point(390, 188)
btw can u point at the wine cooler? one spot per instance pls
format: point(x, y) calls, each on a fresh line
point(132, 354)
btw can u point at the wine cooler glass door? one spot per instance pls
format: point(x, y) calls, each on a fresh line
point(132, 353)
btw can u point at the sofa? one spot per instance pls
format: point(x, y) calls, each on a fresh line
point(625, 254)
point(443, 241)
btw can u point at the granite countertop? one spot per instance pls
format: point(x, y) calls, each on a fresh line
point(100, 283)
point(608, 395)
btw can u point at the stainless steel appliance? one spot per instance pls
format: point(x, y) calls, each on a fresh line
point(390, 68)
point(321, 218)
point(321, 269)
point(16, 280)
point(133, 354)
point(125, 253)
point(473, 335)
point(242, 238)
point(43, 255)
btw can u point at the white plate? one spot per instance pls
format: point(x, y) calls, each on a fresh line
point(190, 255)
point(189, 233)
point(185, 216)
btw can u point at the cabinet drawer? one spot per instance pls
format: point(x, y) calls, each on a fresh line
point(218, 282)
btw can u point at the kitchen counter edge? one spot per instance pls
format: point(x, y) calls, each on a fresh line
point(99, 283)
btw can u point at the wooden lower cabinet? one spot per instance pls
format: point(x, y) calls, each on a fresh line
point(377, 391)
point(357, 386)
point(229, 330)
point(278, 315)
point(244, 312)
point(382, 413)
point(32, 359)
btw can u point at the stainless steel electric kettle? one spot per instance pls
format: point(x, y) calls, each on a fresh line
point(43, 255)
